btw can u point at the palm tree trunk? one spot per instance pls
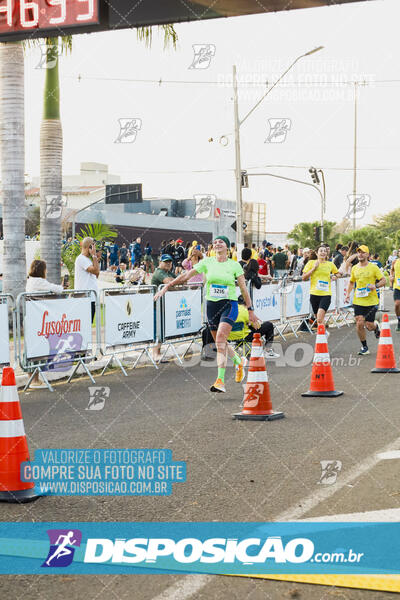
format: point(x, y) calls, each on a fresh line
point(13, 166)
point(51, 147)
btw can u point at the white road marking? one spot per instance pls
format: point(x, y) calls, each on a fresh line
point(389, 455)
point(190, 584)
point(304, 506)
point(185, 588)
point(391, 515)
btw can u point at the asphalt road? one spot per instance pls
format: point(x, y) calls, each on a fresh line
point(236, 471)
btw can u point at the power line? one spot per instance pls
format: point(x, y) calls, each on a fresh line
point(227, 82)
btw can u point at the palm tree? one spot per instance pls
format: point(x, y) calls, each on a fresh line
point(51, 147)
point(12, 165)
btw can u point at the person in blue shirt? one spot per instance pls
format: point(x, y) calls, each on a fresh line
point(136, 253)
point(375, 259)
point(114, 255)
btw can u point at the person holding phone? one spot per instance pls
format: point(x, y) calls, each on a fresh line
point(87, 269)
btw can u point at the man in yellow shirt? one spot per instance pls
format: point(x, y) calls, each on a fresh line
point(321, 272)
point(395, 281)
point(367, 277)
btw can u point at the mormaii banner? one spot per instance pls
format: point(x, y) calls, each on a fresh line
point(57, 327)
point(129, 318)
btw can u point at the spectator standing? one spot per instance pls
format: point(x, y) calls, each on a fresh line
point(187, 247)
point(279, 262)
point(113, 254)
point(233, 251)
point(178, 254)
point(339, 258)
point(163, 274)
point(263, 265)
point(87, 269)
point(267, 251)
point(188, 265)
point(250, 268)
point(254, 252)
point(137, 252)
point(148, 259)
point(104, 256)
point(123, 255)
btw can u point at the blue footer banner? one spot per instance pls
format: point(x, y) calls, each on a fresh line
point(220, 548)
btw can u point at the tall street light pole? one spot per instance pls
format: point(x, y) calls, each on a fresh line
point(355, 154)
point(238, 124)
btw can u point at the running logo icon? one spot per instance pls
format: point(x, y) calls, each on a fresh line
point(330, 470)
point(203, 53)
point(298, 298)
point(128, 129)
point(62, 542)
point(98, 397)
point(278, 129)
point(183, 304)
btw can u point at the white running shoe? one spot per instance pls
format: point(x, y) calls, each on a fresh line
point(271, 354)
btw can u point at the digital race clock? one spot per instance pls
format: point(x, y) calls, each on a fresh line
point(42, 18)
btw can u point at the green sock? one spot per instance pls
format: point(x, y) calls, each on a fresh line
point(221, 374)
point(236, 359)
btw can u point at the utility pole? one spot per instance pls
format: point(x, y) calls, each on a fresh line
point(238, 169)
point(355, 154)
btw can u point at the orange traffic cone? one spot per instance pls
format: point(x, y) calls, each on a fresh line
point(322, 384)
point(385, 359)
point(257, 404)
point(13, 446)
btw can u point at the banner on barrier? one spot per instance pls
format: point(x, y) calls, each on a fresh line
point(182, 312)
point(341, 293)
point(4, 333)
point(129, 318)
point(267, 302)
point(298, 300)
point(55, 327)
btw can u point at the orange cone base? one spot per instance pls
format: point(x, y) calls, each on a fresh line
point(393, 370)
point(272, 417)
point(332, 394)
point(19, 496)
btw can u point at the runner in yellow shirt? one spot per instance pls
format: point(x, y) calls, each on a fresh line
point(321, 272)
point(395, 281)
point(367, 277)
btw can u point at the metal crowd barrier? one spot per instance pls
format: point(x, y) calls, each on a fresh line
point(128, 323)
point(180, 313)
point(57, 328)
point(7, 309)
point(57, 331)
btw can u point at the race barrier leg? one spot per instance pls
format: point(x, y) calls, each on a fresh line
point(13, 444)
point(257, 404)
point(109, 364)
point(322, 384)
point(43, 376)
point(88, 373)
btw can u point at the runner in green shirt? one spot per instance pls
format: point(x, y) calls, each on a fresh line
point(221, 275)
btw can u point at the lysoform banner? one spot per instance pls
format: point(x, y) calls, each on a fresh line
point(182, 312)
point(57, 327)
point(129, 318)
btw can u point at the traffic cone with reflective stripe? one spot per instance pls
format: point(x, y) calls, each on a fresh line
point(385, 359)
point(13, 445)
point(322, 384)
point(257, 404)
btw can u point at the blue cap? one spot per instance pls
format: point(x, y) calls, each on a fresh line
point(166, 258)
